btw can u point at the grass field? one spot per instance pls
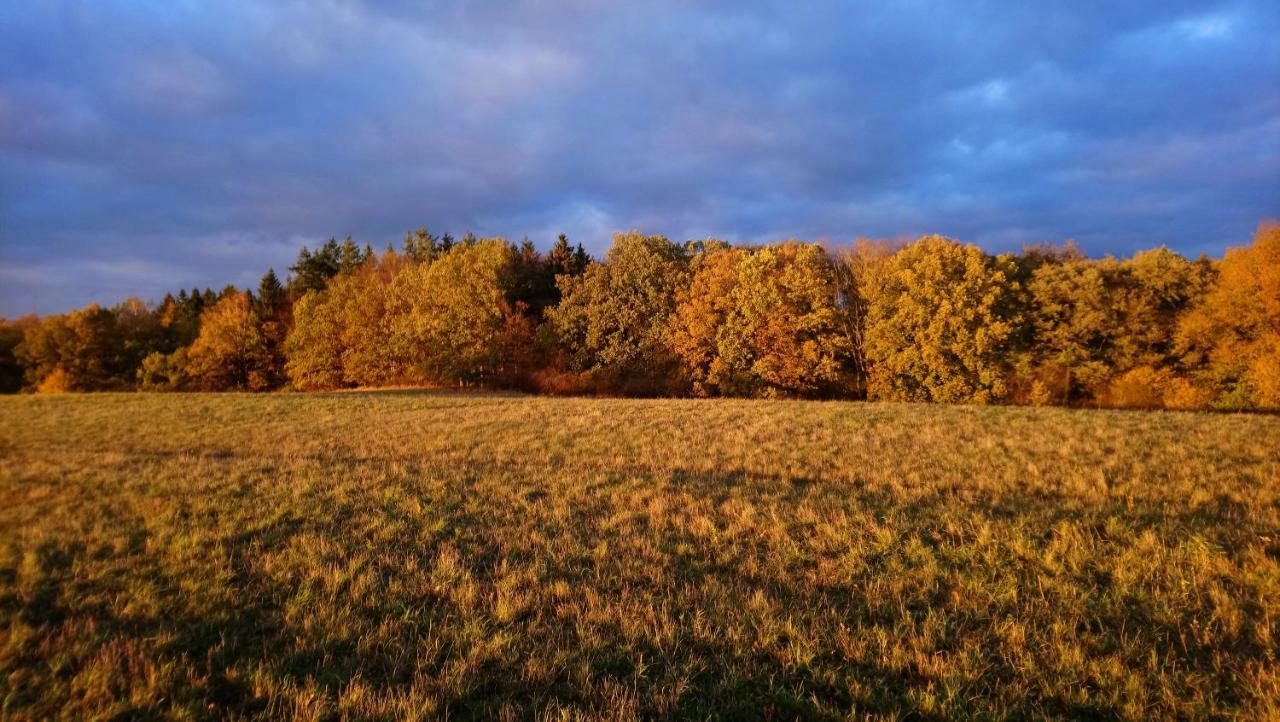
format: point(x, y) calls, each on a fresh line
point(425, 554)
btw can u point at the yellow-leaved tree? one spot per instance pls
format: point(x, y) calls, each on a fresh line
point(1155, 288)
point(1074, 317)
point(855, 272)
point(612, 319)
point(313, 348)
point(342, 335)
point(451, 314)
point(786, 332)
point(1102, 330)
point(940, 319)
point(697, 331)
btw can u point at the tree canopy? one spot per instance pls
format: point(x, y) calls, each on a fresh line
point(940, 319)
point(930, 320)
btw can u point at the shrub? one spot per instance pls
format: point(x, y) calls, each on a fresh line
point(164, 371)
point(57, 381)
point(1139, 388)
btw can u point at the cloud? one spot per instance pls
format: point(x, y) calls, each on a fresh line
point(1207, 27)
point(212, 139)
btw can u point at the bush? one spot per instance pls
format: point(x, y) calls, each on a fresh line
point(57, 381)
point(1180, 393)
point(164, 371)
point(1139, 388)
point(1146, 387)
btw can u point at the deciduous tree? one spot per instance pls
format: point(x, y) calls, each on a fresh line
point(939, 319)
point(78, 351)
point(698, 333)
point(230, 353)
point(1075, 314)
point(342, 336)
point(786, 319)
point(613, 318)
point(451, 312)
point(313, 348)
point(1230, 339)
point(764, 322)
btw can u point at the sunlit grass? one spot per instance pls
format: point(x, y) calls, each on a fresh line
point(419, 554)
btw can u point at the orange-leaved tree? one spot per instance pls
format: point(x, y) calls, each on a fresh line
point(230, 353)
point(697, 334)
point(1231, 337)
point(78, 351)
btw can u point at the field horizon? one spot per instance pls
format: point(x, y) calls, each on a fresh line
point(431, 553)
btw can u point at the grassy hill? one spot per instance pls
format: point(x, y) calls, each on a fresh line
point(401, 554)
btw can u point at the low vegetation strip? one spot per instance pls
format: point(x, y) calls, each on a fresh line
point(429, 554)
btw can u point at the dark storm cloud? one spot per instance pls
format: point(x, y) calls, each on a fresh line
point(142, 149)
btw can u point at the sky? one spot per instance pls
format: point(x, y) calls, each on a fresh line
point(147, 146)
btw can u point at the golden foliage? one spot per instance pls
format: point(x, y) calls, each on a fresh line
point(1182, 394)
point(58, 381)
point(935, 320)
point(230, 352)
point(761, 323)
point(84, 348)
point(163, 371)
point(696, 334)
point(786, 318)
point(940, 318)
point(1156, 286)
point(1074, 316)
point(855, 272)
point(1139, 388)
point(452, 312)
point(612, 319)
point(1231, 337)
point(342, 335)
point(1147, 387)
point(313, 348)
point(1041, 394)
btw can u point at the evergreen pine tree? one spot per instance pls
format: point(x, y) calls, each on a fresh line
point(271, 295)
point(420, 245)
point(314, 268)
point(350, 258)
point(560, 257)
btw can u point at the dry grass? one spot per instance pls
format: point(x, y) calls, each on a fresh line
point(427, 554)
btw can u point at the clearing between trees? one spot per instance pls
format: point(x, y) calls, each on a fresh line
point(427, 554)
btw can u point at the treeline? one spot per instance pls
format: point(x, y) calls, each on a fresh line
point(931, 320)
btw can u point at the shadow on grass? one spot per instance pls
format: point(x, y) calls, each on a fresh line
point(252, 630)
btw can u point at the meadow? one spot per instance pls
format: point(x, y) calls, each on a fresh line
point(424, 554)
